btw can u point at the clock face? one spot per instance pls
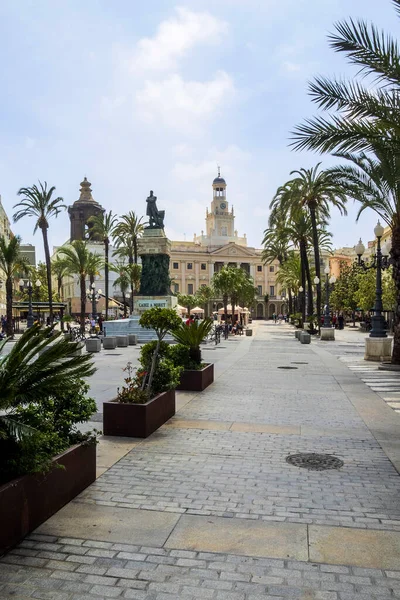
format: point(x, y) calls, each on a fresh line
point(222, 205)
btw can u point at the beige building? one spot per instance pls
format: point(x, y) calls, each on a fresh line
point(194, 263)
point(5, 231)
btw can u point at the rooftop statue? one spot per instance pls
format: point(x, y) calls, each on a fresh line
point(156, 217)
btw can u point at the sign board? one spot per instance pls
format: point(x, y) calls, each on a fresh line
point(146, 304)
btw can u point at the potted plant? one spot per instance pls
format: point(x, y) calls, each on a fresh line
point(196, 375)
point(45, 460)
point(147, 400)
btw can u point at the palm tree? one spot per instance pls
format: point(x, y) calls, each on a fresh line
point(38, 203)
point(289, 275)
point(122, 281)
point(102, 227)
point(11, 262)
point(59, 270)
point(315, 191)
point(79, 261)
point(127, 233)
point(223, 283)
point(365, 120)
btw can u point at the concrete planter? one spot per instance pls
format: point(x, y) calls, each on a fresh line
point(249, 332)
point(28, 501)
point(197, 381)
point(110, 343)
point(93, 345)
point(327, 333)
point(305, 337)
point(132, 339)
point(378, 349)
point(297, 334)
point(138, 420)
point(122, 341)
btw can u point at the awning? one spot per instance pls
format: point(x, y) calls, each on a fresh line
point(197, 309)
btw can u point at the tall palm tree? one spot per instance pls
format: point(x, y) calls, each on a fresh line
point(12, 263)
point(102, 226)
point(364, 119)
point(122, 281)
point(78, 260)
point(316, 191)
point(289, 274)
point(38, 202)
point(59, 270)
point(224, 283)
point(127, 233)
point(276, 246)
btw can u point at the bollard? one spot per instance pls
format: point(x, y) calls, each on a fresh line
point(110, 343)
point(93, 344)
point(305, 337)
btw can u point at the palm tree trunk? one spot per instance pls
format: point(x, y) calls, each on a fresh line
point(395, 255)
point(9, 299)
point(106, 250)
point(310, 307)
point(317, 262)
point(290, 297)
point(124, 301)
point(303, 253)
point(82, 281)
point(48, 272)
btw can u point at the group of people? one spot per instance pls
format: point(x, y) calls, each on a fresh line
point(279, 318)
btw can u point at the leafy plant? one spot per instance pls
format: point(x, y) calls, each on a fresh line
point(132, 391)
point(192, 336)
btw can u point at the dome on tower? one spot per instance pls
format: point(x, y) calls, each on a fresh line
point(219, 179)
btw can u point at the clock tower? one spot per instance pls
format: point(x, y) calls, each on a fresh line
point(220, 222)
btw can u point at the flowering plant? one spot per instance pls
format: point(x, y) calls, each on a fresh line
point(132, 391)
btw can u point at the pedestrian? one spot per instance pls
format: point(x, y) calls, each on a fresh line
point(341, 321)
point(274, 317)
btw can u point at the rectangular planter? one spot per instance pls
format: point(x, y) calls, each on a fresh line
point(28, 501)
point(197, 381)
point(138, 420)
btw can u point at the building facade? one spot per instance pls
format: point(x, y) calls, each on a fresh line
point(5, 231)
point(193, 264)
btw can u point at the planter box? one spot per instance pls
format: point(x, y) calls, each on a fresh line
point(93, 344)
point(28, 501)
point(138, 420)
point(197, 381)
point(249, 332)
point(109, 343)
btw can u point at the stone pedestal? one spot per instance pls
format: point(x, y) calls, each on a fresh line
point(327, 333)
point(143, 303)
point(378, 349)
point(154, 249)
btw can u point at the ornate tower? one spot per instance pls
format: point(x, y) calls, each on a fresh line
point(81, 211)
point(220, 222)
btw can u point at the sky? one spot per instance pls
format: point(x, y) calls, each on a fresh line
point(154, 95)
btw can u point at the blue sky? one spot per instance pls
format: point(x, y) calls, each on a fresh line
point(153, 95)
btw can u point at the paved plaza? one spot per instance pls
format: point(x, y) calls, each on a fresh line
point(208, 507)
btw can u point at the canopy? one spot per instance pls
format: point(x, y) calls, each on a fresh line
point(180, 308)
point(238, 309)
point(197, 309)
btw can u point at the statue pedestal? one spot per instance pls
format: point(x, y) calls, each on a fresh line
point(143, 303)
point(154, 249)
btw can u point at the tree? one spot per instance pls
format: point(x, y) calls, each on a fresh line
point(38, 203)
point(122, 281)
point(364, 127)
point(366, 290)
point(344, 294)
point(315, 191)
point(226, 284)
point(127, 233)
point(102, 227)
point(188, 301)
point(59, 270)
point(11, 262)
point(203, 297)
point(79, 260)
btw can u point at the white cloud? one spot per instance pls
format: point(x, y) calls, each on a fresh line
point(183, 105)
point(175, 37)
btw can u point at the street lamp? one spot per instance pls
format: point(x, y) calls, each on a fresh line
point(38, 283)
point(93, 297)
point(379, 261)
point(29, 318)
point(328, 281)
point(127, 297)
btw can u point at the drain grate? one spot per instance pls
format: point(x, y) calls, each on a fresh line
point(112, 354)
point(314, 462)
point(295, 362)
point(287, 367)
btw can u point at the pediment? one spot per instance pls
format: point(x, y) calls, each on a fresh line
point(233, 250)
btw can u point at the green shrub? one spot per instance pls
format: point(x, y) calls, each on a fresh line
point(179, 354)
point(192, 336)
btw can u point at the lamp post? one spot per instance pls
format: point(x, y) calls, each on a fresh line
point(93, 297)
point(29, 318)
point(329, 281)
point(127, 296)
point(302, 305)
point(379, 261)
point(377, 345)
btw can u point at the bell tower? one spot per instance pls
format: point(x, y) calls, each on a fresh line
point(220, 222)
point(81, 211)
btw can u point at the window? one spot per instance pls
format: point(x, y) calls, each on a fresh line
point(203, 285)
point(190, 288)
point(203, 266)
point(190, 266)
point(272, 290)
point(175, 265)
point(224, 231)
point(259, 290)
point(176, 288)
point(271, 269)
point(259, 268)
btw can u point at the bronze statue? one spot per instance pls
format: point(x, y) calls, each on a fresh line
point(156, 217)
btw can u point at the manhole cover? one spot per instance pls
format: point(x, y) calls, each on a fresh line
point(294, 362)
point(287, 367)
point(314, 462)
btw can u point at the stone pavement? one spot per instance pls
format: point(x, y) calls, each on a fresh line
point(208, 507)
